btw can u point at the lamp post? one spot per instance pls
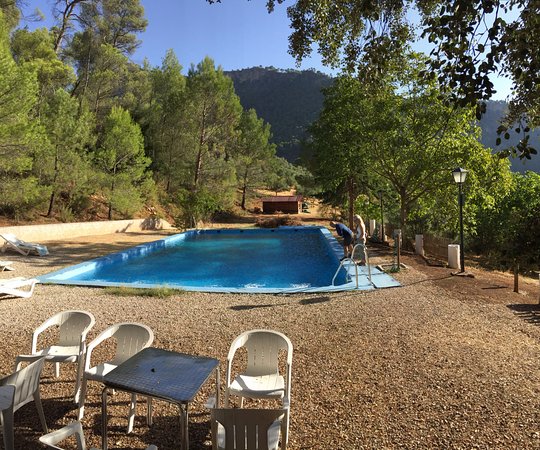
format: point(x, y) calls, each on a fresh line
point(459, 177)
point(382, 215)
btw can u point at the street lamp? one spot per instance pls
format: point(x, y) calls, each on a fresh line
point(459, 177)
point(382, 216)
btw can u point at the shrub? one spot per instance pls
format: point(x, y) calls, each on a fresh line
point(274, 222)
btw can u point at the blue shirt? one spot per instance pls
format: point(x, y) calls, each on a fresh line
point(343, 230)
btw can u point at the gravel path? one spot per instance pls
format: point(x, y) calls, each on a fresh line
point(428, 365)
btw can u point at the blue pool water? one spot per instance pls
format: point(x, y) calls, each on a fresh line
point(286, 259)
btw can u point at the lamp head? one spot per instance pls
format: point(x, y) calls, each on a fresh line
point(459, 175)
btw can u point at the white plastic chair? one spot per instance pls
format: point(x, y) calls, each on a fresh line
point(18, 287)
point(261, 379)
point(73, 429)
point(130, 338)
point(71, 346)
point(249, 429)
point(24, 248)
point(26, 384)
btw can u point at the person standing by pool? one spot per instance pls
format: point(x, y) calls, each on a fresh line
point(360, 236)
point(359, 229)
point(348, 236)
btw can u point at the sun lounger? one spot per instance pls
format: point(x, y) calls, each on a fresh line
point(24, 248)
point(6, 265)
point(18, 287)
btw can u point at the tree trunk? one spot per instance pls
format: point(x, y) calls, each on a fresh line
point(198, 163)
point(403, 212)
point(352, 197)
point(66, 14)
point(169, 169)
point(96, 104)
point(109, 215)
point(51, 201)
point(516, 277)
point(244, 190)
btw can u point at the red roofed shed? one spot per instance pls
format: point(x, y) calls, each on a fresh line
point(291, 204)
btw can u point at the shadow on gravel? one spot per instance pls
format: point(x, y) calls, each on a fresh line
point(314, 301)
point(248, 307)
point(529, 313)
point(427, 279)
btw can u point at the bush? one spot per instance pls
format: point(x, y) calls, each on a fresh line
point(65, 214)
point(275, 222)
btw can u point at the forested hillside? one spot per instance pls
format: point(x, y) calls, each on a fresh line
point(86, 133)
point(289, 100)
point(495, 111)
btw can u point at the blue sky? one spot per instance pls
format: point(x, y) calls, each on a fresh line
point(236, 34)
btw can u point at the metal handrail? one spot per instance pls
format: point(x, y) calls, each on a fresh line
point(351, 261)
point(341, 265)
point(366, 257)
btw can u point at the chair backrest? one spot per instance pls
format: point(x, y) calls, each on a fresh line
point(11, 238)
point(247, 429)
point(26, 382)
point(130, 338)
point(263, 347)
point(74, 326)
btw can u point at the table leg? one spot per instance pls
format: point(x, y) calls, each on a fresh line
point(184, 432)
point(104, 419)
point(218, 387)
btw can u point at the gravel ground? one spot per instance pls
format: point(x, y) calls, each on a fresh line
point(441, 362)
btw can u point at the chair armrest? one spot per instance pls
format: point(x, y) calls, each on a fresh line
point(228, 374)
point(54, 437)
point(55, 320)
point(289, 380)
point(25, 358)
point(104, 335)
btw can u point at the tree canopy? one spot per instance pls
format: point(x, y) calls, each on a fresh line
point(472, 41)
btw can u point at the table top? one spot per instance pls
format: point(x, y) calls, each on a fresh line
point(172, 376)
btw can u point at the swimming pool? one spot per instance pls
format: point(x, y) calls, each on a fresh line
point(286, 259)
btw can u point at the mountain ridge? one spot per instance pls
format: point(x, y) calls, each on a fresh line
point(290, 100)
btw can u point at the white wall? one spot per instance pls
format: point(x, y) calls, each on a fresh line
point(58, 231)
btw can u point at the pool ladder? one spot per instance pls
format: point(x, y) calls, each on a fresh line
point(350, 261)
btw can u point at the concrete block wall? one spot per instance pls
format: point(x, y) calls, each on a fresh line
point(59, 231)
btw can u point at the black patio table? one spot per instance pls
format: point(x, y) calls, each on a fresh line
point(164, 375)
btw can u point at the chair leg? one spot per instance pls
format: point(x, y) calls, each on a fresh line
point(57, 369)
point(7, 424)
point(132, 410)
point(149, 411)
point(82, 398)
point(39, 406)
point(80, 375)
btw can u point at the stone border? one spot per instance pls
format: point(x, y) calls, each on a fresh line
point(58, 231)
